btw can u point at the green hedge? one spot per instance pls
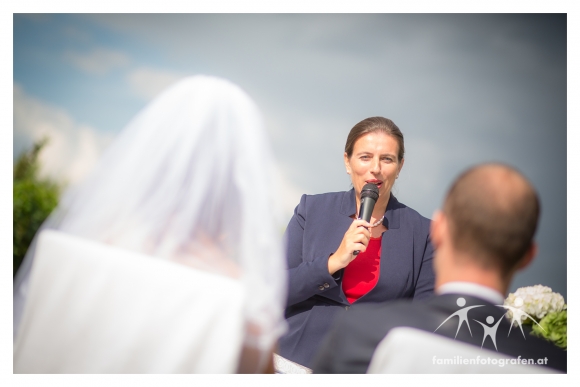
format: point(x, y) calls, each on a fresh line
point(33, 199)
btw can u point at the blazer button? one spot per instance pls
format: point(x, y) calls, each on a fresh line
point(326, 285)
point(321, 287)
point(346, 307)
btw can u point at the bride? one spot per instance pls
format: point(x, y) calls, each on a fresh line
point(188, 180)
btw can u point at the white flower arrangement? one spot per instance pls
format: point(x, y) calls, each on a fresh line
point(536, 301)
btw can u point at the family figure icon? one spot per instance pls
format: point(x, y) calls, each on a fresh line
point(490, 329)
point(518, 314)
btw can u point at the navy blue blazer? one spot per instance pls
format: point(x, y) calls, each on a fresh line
point(314, 296)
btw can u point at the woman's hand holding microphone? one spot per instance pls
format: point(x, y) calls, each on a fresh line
point(358, 235)
point(356, 238)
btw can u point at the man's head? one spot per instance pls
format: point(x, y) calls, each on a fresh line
point(486, 226)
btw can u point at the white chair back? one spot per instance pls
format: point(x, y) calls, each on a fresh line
point(411, 351)
point(94, 308)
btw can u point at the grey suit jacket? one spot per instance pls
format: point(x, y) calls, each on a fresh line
point(314, 296)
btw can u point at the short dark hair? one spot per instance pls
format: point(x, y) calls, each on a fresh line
point(374, 124)
point(493, 213)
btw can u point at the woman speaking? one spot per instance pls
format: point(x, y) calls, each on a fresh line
point(336, 260)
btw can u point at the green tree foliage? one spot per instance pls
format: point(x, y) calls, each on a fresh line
point(33, 199)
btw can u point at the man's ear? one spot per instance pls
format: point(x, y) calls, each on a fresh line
point(438, 227)
point(528, 256)
point(347, 163)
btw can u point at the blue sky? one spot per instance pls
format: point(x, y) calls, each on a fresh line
point(463, 88)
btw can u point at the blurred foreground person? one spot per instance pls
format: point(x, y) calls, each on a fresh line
point(482, 236)
point(187, 182)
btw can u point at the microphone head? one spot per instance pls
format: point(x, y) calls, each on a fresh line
point(370, 190)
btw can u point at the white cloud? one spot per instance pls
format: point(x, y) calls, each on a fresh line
point(147, 82)
point(100, 61)
point(73, 148)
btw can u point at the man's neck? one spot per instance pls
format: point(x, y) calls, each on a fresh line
point(464, 271)
point(471, 289)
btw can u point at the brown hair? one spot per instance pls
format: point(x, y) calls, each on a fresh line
point(374, 124)
point(493, 213)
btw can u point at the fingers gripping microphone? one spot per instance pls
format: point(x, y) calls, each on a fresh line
point(368, 198)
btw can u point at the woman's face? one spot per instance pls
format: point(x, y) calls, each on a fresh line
point(374, 160)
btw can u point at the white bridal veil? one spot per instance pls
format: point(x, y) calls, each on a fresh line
point(190, 180)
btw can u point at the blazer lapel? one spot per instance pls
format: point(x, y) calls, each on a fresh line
point(341, 223)
point(396, 265)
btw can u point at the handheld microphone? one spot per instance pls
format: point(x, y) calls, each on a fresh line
point(368, 197)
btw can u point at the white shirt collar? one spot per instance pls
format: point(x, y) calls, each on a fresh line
point(472, 289)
